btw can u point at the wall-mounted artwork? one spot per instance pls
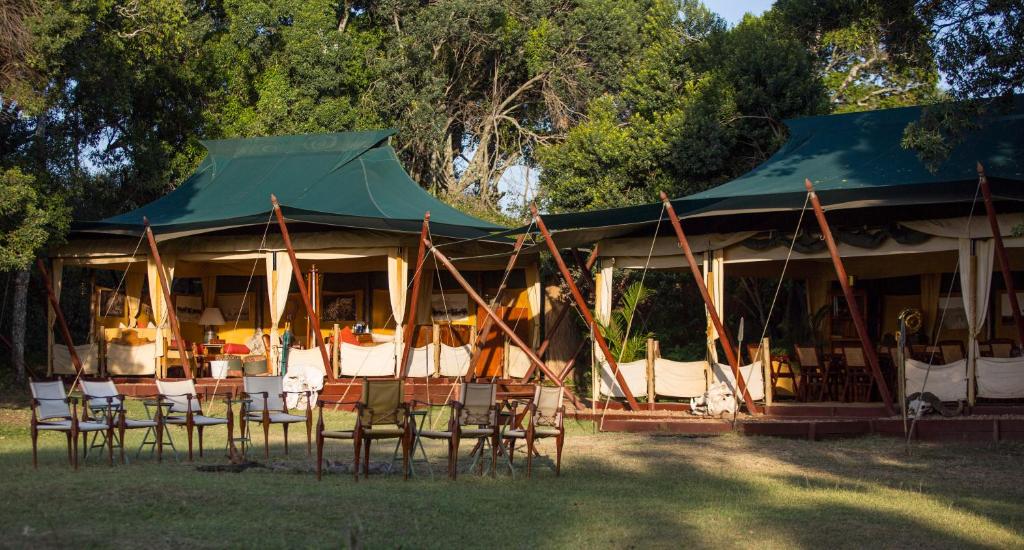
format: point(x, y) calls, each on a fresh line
point(188, 308)
point(234, 307)
point(111, 304)
point(339, 308)
point(449, 307)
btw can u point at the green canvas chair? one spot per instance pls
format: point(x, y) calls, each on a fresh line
point(475, 416)
point(268, 405)
point(54, 411)
point(546, 414)
point(382, 413)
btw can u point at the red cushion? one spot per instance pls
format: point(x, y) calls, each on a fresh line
point(347, 337)
point(235, 349)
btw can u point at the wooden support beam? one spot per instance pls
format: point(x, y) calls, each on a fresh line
point(498, 322)
point(855, 312)
point(551, 330)
point(409, 330)
point(731, 353)
point(303, 291)
point(1004, 259)
point(581, 303)
point(485, 330)
point(59, 313)
point(172, 315)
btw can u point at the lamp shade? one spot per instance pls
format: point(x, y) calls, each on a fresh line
point(211, 316)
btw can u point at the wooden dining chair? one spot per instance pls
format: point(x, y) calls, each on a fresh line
point(268, 404)
point(183, 409)
point(952, 351)
point(857, 381)
point(813, 373)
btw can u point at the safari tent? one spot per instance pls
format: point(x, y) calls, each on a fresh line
point(913, 238)
point(354, 217)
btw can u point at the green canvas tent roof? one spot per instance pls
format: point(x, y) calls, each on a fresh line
point(351, 179)
point(855, 160)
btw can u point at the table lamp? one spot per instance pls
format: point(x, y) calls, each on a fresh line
point(211, 317)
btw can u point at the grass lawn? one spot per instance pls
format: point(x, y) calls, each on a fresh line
point(617, 490)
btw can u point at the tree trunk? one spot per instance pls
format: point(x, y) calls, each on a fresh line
point(18, 314)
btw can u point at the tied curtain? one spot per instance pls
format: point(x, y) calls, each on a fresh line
point(714, 278)
point(976, 260)
point(133, 282)
point(279, 281)
point(56, 281)
point(398, 282)
point(156, 297)
point(533, 297)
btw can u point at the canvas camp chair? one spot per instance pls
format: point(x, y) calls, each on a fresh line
point(323, 434)
point(475, 416)
point(998, 347)
point(381, 414)
point(184, 409)
point(813, 374)
point(546, 414)
point(102, 398)
point(54, 411)
point(857, 380)
point(268, 405)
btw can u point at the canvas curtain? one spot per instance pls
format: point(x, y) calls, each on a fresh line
point(133, 282)
point(423, 316)
point(56, 281)
point(533, 297)
point(398, 282)
point(156, 297)
point(279, 281)
point(930, 283)
point(976, 257)
point(714, 278)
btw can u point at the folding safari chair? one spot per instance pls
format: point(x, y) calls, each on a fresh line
point(475, 416)
point(102, 398)
point(381, 414)
point(184, 410)
point(54, 411)
point(813, 373)
point(268, 405)
point(546, 414)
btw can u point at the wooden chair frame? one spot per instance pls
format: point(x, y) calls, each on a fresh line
point(265, 419)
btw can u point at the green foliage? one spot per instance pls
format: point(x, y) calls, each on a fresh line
point(28, 218)
point(698, 104)
point(625, 341)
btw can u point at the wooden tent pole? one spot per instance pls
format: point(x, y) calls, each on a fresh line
point(855, 313)
point(303, 291)
point(417, 278)
point(59, 313)
point(581, 303)
point(546, 344)
point(485, 330)
point(1004, 259)
point(172, 316)
point(497, 321)
point(730, 352)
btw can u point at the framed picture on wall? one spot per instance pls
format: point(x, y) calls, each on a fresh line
point(449, 306)
point(955, 316)
point(1005, 311)
point(235, 307)
point(188, 308)
point(111, 304)
point(340, 308)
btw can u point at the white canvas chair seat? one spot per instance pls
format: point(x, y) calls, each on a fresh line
point(435, 434)
point(197, 419)
point(386, 430)
point(132, 424)
point(469, 431)
point(338, 434)
point(276, 417)
point(539, 431)
point(65, 426)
